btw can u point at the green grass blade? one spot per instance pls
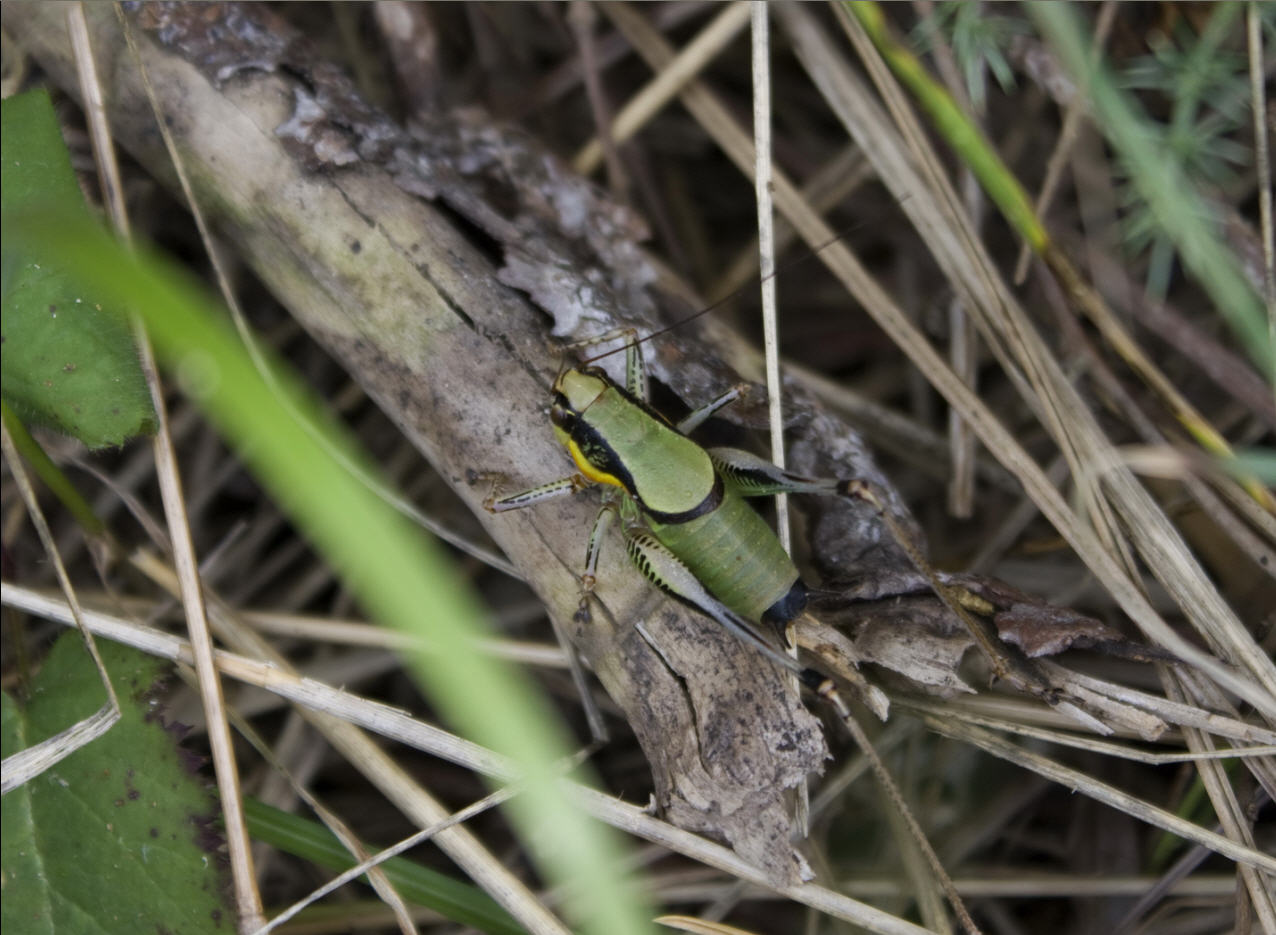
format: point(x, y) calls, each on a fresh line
point(962, 135)
point(422, 886)
point(50, 474)
point(402, 578)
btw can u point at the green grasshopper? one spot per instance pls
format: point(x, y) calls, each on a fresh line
point(687, 526)
point(682, 507)
point(690, 532)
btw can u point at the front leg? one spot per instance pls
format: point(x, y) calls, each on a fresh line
point(590, 577)
point(558, 488)
point(533, 495)
point(561, 487)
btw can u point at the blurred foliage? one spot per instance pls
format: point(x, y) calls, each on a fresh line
point(978, 39)
point(1201, 83)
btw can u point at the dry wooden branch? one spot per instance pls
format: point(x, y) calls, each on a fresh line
point(411, 255)
point(367, 234)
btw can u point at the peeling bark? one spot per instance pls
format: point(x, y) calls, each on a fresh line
point(435, 262)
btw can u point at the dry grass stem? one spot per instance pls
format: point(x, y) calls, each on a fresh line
point(1052, 446)
point(339, 715)
point(667, 82)
point(26, 764)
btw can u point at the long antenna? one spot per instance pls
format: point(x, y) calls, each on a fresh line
point(734, 293)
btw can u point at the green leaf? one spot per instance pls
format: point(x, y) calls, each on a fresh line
point(68, 363)
point(117, 837)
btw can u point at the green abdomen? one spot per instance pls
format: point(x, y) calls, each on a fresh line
point(735, 555)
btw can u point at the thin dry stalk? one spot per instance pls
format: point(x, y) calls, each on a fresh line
point(247, 897)
point(341, 830)
point(667, 82)
point(1104, 792)
point(766, 252)
point(30, 762)
point(388, 776)
point(1017, 344)
point(311, 269)
point(347, 713)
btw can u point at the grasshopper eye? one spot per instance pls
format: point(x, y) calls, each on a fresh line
point(561, 414)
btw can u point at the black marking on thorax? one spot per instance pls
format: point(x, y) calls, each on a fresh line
point(603, 456)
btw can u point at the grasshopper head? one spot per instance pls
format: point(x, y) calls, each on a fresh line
point(575, 390)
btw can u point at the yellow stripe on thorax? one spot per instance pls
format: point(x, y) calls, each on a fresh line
point(597, 476)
